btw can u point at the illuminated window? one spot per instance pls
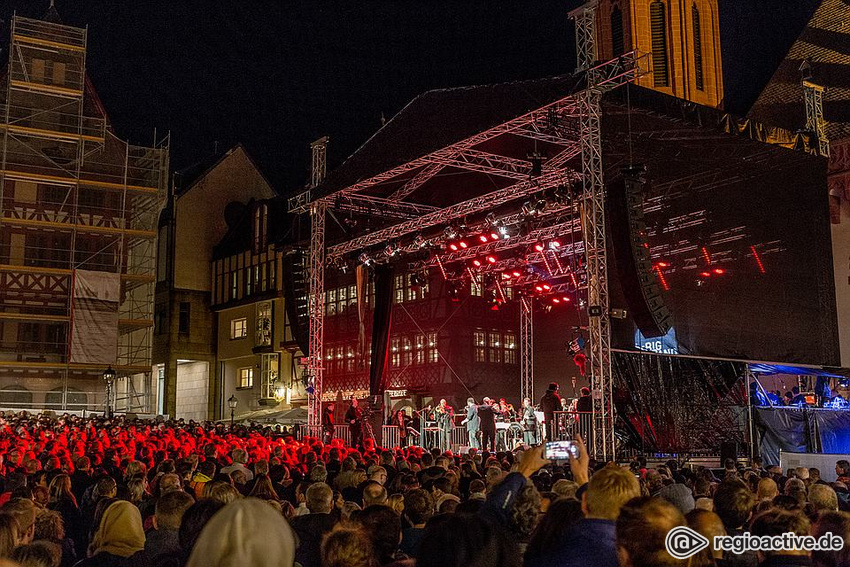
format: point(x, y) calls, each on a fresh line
point(352, 294)
point(510, 348)
point(349, 358)
point(330, 306)
point(234, 285)
point(419, 349)
point(509, 292)
point(697, 48)
point(433, 352)
point(412, 289)
point(494, 349)
point(479, 341)
point(246, 378)
point(264, 323)
point(399, 289)
point(476, 288)
point(395, 354)
point(239, 328)
point(658, 28)
point(406, 351)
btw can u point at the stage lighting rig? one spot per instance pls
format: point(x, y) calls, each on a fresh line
point(365, 259)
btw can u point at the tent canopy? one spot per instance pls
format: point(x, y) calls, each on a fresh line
point(771, 369)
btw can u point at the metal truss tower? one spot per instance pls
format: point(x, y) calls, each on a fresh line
point(599, 324)
point(814, 115)
point(316, 304)
point(526, 348)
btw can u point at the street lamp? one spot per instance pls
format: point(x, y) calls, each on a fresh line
point(232, 402)
point(109, 378)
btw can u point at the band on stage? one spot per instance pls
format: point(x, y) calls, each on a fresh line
point(491, 425)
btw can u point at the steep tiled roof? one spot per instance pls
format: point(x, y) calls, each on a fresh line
point(825, 42)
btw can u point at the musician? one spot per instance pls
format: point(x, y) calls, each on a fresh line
point(508, 410)
point(402, 421)
point(529, 423)
point(328, 427)
point(444, 414)
point(549, 404)
point(354, 419)
point(473, 423)
point(488, 425)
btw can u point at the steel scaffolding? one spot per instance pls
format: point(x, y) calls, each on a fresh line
point(599, 323)
point(73, 197)
point(316, 306)
point(526, 348)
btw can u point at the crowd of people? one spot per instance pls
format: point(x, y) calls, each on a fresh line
point(117, 493)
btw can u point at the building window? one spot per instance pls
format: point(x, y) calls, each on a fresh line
point(617, 39)
point(510, 348)
point(494, 347)
point(160, 321)
point(697, 49)
point(160, 389)
point(419, 349)
point(433, 352)
point(238, 328)
point(476, 287)
point(234, 285)
point(349, 358)
point(658, 26)
point(183, 321)
point(246, 378)
point(479, 341)
point(268, 375)
point(264, 323)
point(399, 288)
point(261, 214)
point(406, 351)
point(395, 354)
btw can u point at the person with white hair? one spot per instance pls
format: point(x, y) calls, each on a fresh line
point(245, 532)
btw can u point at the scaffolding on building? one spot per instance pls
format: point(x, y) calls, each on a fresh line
point(73, 197)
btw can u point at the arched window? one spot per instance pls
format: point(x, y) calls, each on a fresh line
point(15, 396)
point(76, 400)
point(617, 40)
point(658, 25)
point(697, 48)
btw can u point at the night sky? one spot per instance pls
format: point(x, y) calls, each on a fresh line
point(277, 74)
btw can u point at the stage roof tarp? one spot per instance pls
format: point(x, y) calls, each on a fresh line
point(771, 369)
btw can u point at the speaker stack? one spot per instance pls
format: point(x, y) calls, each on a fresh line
point(631, 253)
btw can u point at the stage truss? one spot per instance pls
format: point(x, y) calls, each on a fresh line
point(573, 124)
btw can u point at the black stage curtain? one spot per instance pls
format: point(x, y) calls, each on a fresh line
point(801, 430)
point(679, 404)
point(384, 279)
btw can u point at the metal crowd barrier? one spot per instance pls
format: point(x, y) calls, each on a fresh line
point(568, 423)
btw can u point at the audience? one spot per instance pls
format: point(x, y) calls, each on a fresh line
point(134, 493)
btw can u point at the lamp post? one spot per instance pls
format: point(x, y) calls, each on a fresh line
point(232, 402)
point(109, 378)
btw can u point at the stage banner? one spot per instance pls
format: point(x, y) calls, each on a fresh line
point(384, 280)
point(782, 429)
point(94, 317)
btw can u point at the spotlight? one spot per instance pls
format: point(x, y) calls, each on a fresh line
point(450, 231)
point(547, 287)
point(516, 273)
point(719, 271)
point(503, 230)
point(365, 259)
point(538, 287)
point(463, 244)
point(556, 300)
point(391, 249)
point(495, 235)
point(705, 274)
point(540, 247)
point(554, 245)
point(453, 246)
point(483, 238)
point(662, 264)
point(476, 263)
point(491, 259)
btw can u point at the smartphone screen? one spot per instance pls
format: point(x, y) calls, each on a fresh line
point(560, 450)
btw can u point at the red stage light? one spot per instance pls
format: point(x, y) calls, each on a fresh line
point(453, 247)
point(476, 263)
point(516, 273)
point(538, 287)
point(556, 300)
point(758, 259)
point(565, 299)
point(705, 274)
point(494, 236)
point(706, 256)
point(539, 247)
point(506, 276)
point(463, 244)
point(554, 244)
point(663, 264)
point(547, 287)
point(482, 238)
point(491, 259)
point(719, 271)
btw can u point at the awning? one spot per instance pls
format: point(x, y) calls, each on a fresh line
point(770, 369)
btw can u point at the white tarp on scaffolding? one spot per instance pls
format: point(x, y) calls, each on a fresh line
point(94, 319)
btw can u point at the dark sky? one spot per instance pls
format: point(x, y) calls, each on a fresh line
point(277, 74)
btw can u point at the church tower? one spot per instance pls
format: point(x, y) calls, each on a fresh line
point(682, 38)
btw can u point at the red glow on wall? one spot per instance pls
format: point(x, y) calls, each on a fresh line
point(758, 258)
